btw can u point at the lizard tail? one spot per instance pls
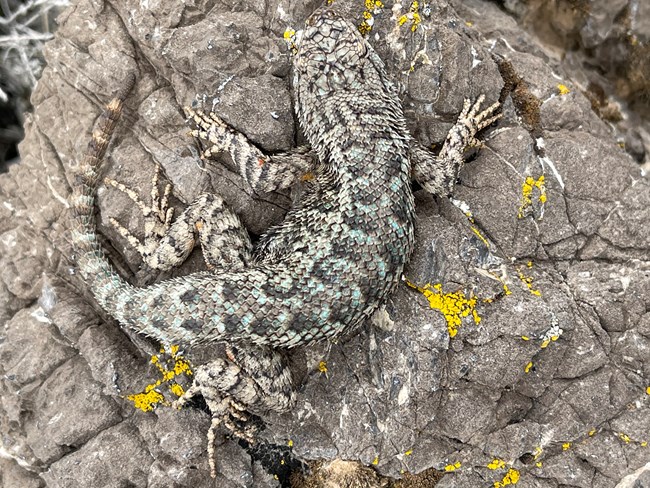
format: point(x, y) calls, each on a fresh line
point(92, 263)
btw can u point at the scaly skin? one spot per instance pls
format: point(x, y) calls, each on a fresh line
point(339, 252)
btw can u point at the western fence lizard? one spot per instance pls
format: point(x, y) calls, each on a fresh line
point(325, 269)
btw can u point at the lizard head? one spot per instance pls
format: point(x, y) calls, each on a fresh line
point(329, 53)
point(333, 65)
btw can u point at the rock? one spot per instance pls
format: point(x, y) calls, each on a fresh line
point(543, 381)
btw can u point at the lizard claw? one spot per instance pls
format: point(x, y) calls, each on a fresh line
point(157, 216)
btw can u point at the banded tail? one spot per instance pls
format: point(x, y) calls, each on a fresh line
point(93, 265)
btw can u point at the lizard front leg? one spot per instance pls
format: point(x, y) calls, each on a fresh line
point(263, 173)
point(437, 174)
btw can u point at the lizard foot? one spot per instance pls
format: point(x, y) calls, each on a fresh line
point(472, 120)
point(210, 128)
point(251, 379)
point(157, 216)
point(226, 411)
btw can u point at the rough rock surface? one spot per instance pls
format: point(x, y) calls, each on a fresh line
point(550, 387)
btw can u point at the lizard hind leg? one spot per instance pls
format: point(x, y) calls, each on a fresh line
point(223, 238)
point(253, 379)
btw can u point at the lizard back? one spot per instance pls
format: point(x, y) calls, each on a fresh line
point(340, 250)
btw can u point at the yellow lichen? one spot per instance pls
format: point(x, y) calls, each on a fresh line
point(647, 390)
point(566, 446)
point(463, 207)
point(563, 89)
point(372, 8)
point(538, 464)
point(591, 432)
point(454, 306)
point(528, 367)
point(151, 397)
point(511, 478)
point(551, 335)
point(373, 4)
point(177, 389)
point(528, 281)
point(290, 443)
point(480, 236)
point(628, 440)
point(506, 290)
point(409, 452)
point(452, 467)
point(526, 338)
point(413, 15)
point(527, 188)
point(365, 28)
point(375, 461)
point(500, 279)
point(290, 38)
point(322, 366)
point(147, 400)
point(496, 464)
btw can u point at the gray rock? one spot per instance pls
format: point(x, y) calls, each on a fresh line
point(552, 379)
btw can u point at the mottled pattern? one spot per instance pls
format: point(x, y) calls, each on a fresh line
point(333, 261)
point(340, 250)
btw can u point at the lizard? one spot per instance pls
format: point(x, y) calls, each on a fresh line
point(332, 262)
